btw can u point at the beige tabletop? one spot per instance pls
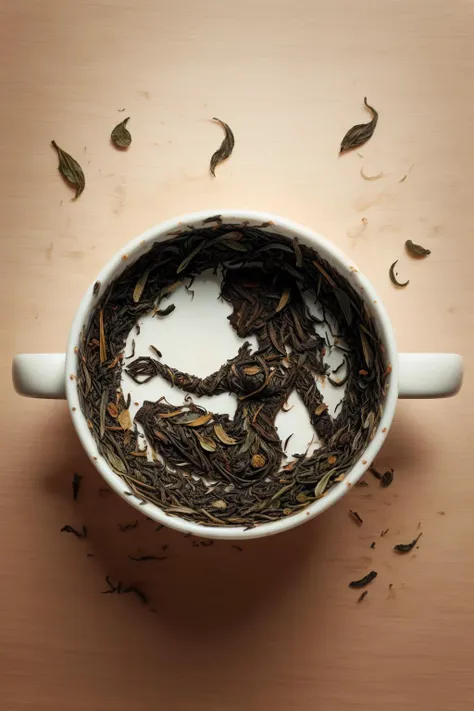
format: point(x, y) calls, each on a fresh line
point(272, 626)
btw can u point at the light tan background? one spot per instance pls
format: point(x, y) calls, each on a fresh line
point(274, 626)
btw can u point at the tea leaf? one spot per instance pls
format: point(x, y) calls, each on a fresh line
point(320, 487)
point(102, 411)
point(206, 443)
point(174, 413)
point(219, 504)
point(416, 250)
point(324, 273)
point(115, 462)
point(124, 420)
point(363, 581)
point(345, 304)
point(298, 253)
point(70, 169)
point(222, 435)
point(368, 357)
point(103, 347)
point(285, 297)
point(121, 135)
point(203, 420)
point(406, 547)
point(225, 149)
point(360, 133)
point(140, 285)
point(252, 370)
point(370, 177)
point(393, 277)
point(190, 257)
point(113, 410)
point(320, 409)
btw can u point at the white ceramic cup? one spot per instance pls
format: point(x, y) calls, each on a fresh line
point(414, 375)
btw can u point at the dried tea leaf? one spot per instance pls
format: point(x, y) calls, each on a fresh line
point(320, 487)
point(370, 177)
point(285, 297)
point(113, 410)
point(393, 277)
point(324, 273)
point(367, 351)
point(115, 462)
point(174, 413)
point(102, 412)
point(124, 420)
point(345, 304)
point(252, 370)
point(219, 504)
point(406, 547)
point(298, 253)
point(416, 250)
point(164, 312)
point(363, 581)
point(320, 409)
point(139, 286)
point(359, 134)
point(206, 443)
point(222, 435)
point(203, 420)
point(121, 135)
point(102, 345)
point(190, 256)
point(70, 169)
point(225, 149)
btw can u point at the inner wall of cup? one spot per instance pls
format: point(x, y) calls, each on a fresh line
point(141, 246)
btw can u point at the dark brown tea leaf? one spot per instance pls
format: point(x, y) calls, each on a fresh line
point(225, 149)
point(363, 581)
point(406, 547)
point(70, 169)
point(416, 250)
point(359, 134)
point(121, 136)
point(393, 277)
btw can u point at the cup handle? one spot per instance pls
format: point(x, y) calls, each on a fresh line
point(429, 375)
point(40, 375)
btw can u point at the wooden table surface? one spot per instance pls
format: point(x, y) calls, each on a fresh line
point(273, 626)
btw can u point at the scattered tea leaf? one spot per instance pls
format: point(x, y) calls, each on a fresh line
point(70, 169)
point(387, 478)
point(76, 485)
point(364, 581)
point(70, 529)
point(356, 516)
point(393, 277)
point(225, 149)
point(121, 135)
point(416, 250)
point(141, 558)
point(127, 526)
point(406, 547)
point(360, 133)
point(362, 596)
point(372, 545)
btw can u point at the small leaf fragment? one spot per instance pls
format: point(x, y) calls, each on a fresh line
point(124, 420)
point(284, 298)
point(70, 169)
point(370, 177)
point(121, 135)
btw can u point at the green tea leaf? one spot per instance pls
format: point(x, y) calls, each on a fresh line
point(121, 135)
point(225, 149)
point(70, 169)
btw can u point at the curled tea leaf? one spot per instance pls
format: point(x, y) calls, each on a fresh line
point(199, 421)
point(121, 136)
point(416, 250)
point(222, 435)
point(320, 487)
point(364, 581)
point(206, 443)
point(225, 149)
point(359, 134)
point(70, 169)
point(393, 277)
point(406, 547)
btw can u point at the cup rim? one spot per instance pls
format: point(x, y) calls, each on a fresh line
point(141, 244)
